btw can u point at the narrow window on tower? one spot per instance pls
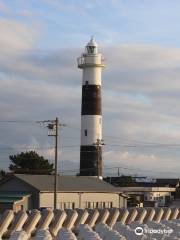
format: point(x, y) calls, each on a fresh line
point(86, 84)
point(85, 132)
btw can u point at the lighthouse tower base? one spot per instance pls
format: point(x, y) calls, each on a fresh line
point(91, 161)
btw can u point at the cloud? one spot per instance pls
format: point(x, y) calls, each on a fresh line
point(144, 164)
point(16, 36)
point(143, 57)
point(140, 99)
point(3, 7)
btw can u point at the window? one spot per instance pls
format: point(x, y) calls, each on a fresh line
point(66, 205)
point(98, 204)
point(85, 132)
point(90, 49)
point(109, 204)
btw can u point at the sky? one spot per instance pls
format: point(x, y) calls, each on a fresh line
point(39, 80)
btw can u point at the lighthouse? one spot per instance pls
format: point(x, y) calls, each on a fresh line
point(91, 63)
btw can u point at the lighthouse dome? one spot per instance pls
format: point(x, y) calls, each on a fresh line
point(92, 43)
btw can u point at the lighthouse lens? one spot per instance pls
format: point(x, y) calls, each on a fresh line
point(91, 49)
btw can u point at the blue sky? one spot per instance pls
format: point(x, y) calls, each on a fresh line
point(39, 79)
point(69, 23)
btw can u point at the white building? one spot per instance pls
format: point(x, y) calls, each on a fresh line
point(150, 196)
point(26, 192)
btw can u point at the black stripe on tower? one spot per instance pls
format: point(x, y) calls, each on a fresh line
point(91, 100)
point(91, 161)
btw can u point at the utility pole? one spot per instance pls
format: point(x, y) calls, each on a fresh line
point(53, 127)
point(56, 161)
point(118, 172)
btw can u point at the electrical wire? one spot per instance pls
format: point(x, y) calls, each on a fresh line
point(69, 147)
point(110, 168)
point(17, 121)
point(140, 143)
point(118, 167)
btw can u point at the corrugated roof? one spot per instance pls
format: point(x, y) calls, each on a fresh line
point(67, 183)
point(10, 197)
point(13, 194)
point(9, 200)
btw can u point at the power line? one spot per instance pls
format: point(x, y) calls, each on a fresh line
point(111, 168)
point(135, 170)
point(124, 168)
point(77, 146)
point(25, 147)
point(143, 143)
point(144, 146)
point(17, 121)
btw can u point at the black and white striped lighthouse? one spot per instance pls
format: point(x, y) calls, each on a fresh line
point(91, 111)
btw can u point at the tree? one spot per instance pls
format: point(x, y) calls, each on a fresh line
point(2, 174)
point(31, 163)
point(122, 181)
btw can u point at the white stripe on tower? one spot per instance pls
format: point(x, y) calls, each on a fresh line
point(91, 112)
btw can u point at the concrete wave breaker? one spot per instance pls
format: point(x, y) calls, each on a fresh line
point(69, 223)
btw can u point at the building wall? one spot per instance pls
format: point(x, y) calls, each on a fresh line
point(94, 200)
point(20, 205)
point(46, 199)
point(159, 197)
point(122, 201)
point(24, 204)
point(83, 200)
